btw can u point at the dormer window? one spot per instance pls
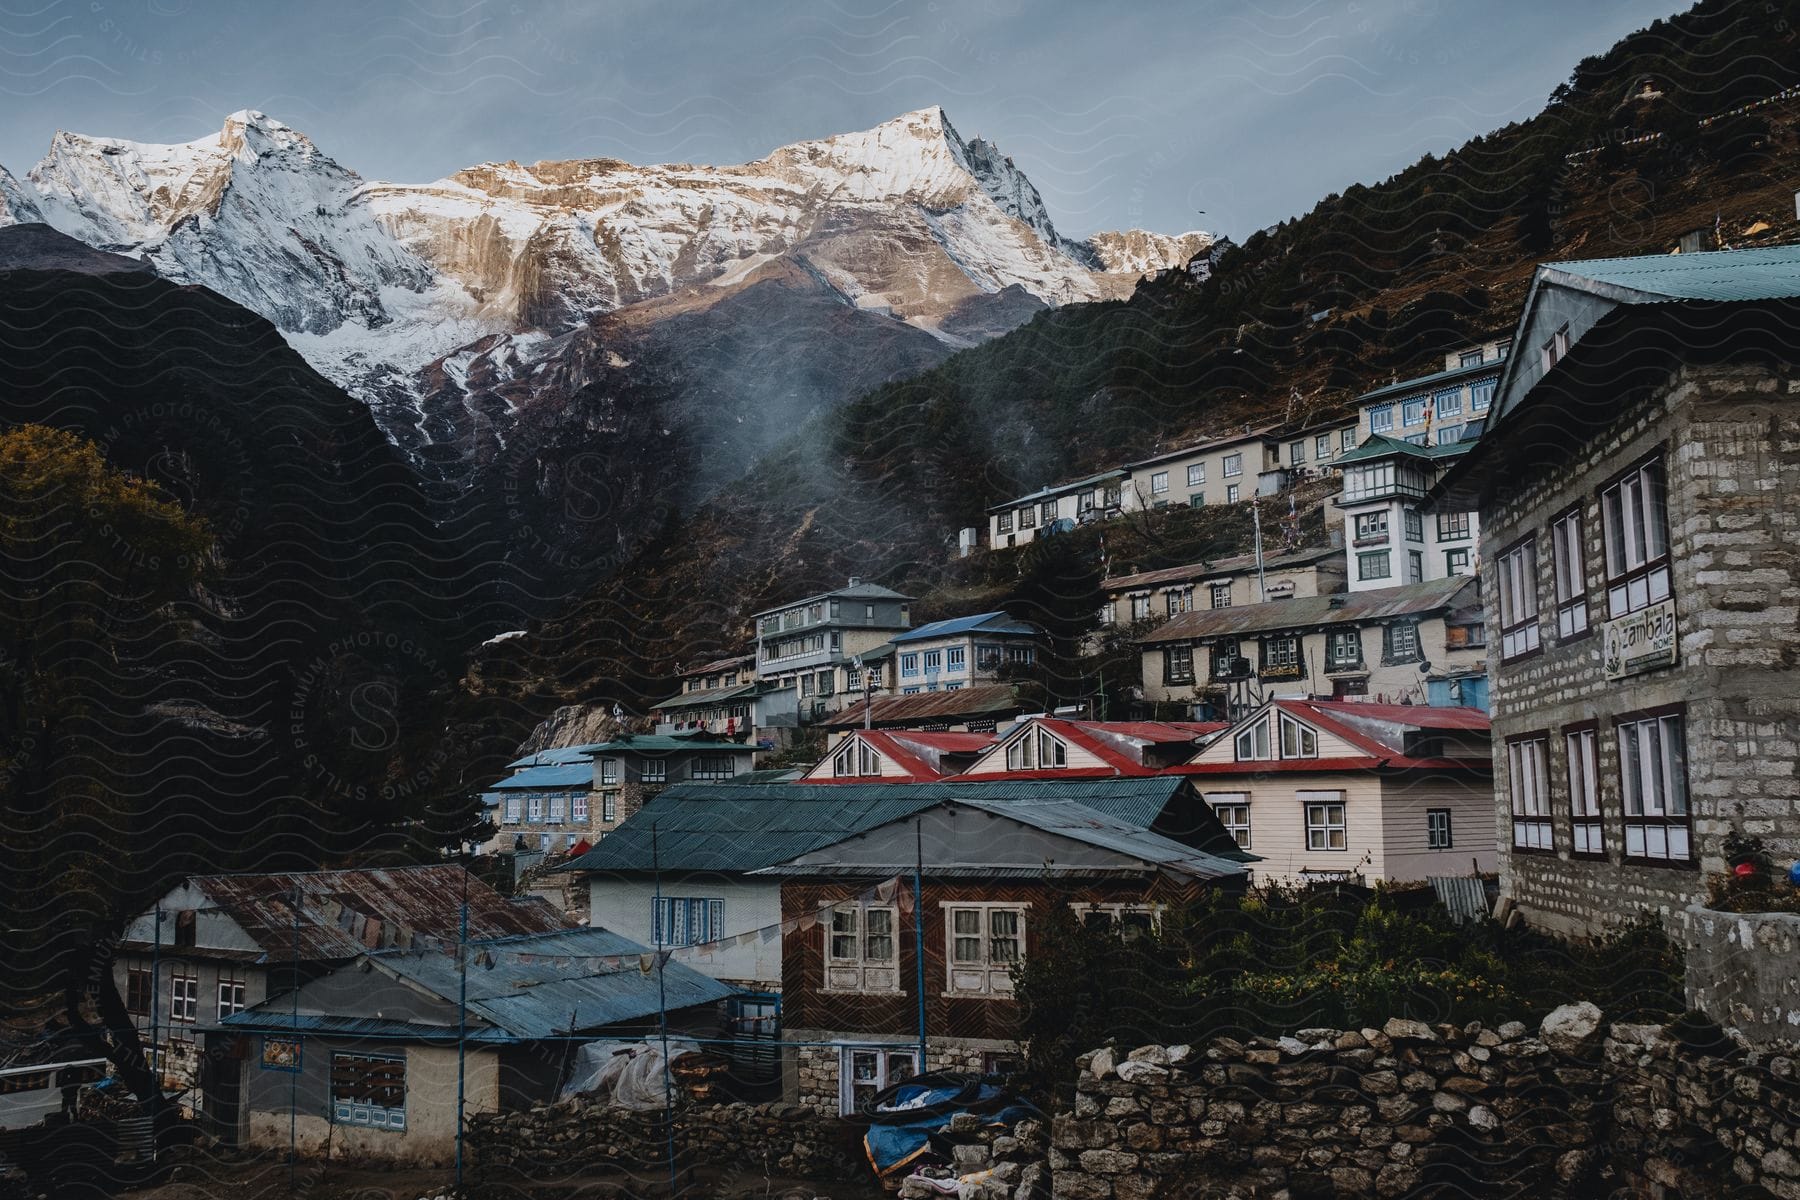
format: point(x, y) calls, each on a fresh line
point(1051, 751)
point(1298, 740)
point(1253, 742)
point(855, 758)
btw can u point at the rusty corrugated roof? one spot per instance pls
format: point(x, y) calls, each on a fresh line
point(1218, 566)
point(1311, 612)
point(931, 706)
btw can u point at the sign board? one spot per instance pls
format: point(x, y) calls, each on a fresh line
point(1640, 641)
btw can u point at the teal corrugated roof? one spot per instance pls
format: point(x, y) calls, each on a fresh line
point(1764, 273)
point(556, 756)
point(738, 827)
point(1437, 379)
point(1380, 445)
point(532, 778)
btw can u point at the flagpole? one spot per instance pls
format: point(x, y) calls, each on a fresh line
point(462, 1021)
point(919, 930)
point(662, 1004)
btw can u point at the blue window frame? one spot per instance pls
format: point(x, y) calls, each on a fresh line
point(909, 664)
point(1381, 418)
point(956, 658)
point(686, 921)
point(1413, 411)
point(1481, 395)
point(1449, 402)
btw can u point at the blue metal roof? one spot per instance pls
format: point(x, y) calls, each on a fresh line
point(278, 1020)
point(556, 756)
point(1057, 489)
point(1764, 273)
point(736, 827)
point(534, 778)
point(988, 622)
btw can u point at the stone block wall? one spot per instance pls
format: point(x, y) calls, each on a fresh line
point(1743, 970)
point(817, 1068)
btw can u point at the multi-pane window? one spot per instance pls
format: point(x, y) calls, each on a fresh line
point(231, 997)
point(1481, 395)
point(1048, 510)
point(513, 806)
point(1456, 562)
point(578, 808)
point(1381, 418)
point(1003, 521)
point(686, 921)
point(1375, 564)
point(1052, 751)
point(139, 991)
point(1228, 660)
point(609, 807)
point(1232, 464)
point(1140, 607)
point(1415, 524)
point(1372, 527)
point(1437, 829)
point(861, 953)
point(1370, 480)
point(368, 1089)
point(1221, 595)
point(1296, 453)
point(1343, 649)
point(855, 758)
point(1178, 601)
point(985, 940)
point(1233, 811)
point(1518, 599)
point(609, 771)
point(1452, 527)
point(1579, 743)
point(1653, 786)
point(934, 662)
point(1326, 827)
point(1280, 655)
point(1028, 517)
point(1252, 742)
point(1449, 402)
point(184, 998)
point(909, 664)
point(534, 809)
point(1178, 664)
point(713, 766)
point(1412, 412)
point(1159, 483)
point(1528, 784)
point(654, 770)
point(1553, 349)
point(1298, 740)
point(956, 658)
point(866, 1072)
point(1197, 500)
point(1415, 566)
point(1570, 574)
point(1322, 447)
point(1232, 494)
point(1196, 474)
point(1347, 439)
point(1634, 518)
point(1469, 358)
point(1401, 642)
point(556, 810)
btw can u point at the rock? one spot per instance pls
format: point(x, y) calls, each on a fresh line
point(1132, 1071)
point(1571, 1029)
point(970, 1157)
point(1483, 1117)
point(1149, 1054)
point(1350, 1040)
point(1180, 1054)
point(1290, 1045)
point(1511, 1031)
point(1101, 1064)
point(1108, 1162)
point(1399, 1028)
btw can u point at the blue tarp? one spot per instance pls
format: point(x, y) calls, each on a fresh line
point(904, 1118)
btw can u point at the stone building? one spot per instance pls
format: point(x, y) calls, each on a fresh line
point(1636, 491)
point(1231, 582)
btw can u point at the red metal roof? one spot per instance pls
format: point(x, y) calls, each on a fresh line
point(1425, 716)
point(919, 754)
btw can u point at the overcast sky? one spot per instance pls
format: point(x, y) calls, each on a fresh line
point(1123, 114)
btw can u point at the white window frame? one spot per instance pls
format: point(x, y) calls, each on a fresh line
point(956, 658)
point(610, 772)
point(1196, 474)
point(579, 808)
point(230, 997)
point(988, 974)
point(1581, 747)
point(1233, 811)
point(555, 816)
point(609, 807)
point(534, 810)
point(1634, 520)
point(184, 997)
point(654, 770)
point(1528, 789)
point(846, 928)
point(1323, 814)
point(882, 1058)
point(1253, 743)
point(1412, 411)
point(1159, 483)
point(1232, 465)
point(686, 920)
point(1221, 595)
point(1321, 447)
point(1298, 739)
point(1232, 493)
point(1297, 453)
point(1439, 834)
point(1372, 527)
point(354, 1110)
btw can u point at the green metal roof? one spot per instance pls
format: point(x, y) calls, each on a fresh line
point(1380, 445)
point(1057, 489)
point(1437, 379)
point(1764, 273)
point(738, 827)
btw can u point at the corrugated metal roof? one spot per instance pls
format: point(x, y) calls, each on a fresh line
point(962, 703)
point(706, 696)
point(575, 775)
point(1218, 566)
point(1057, 489)
point(1084, 823)
point(555, 756)
point(344, 913)
point(1259, 433)
point(274, 1020)
point(1380, 445)
point(855, 591)
point(719, 664)
point(1311, 612)
point(989, 622)
point(1763, 273)
point(738, 828)
point(1425, 383)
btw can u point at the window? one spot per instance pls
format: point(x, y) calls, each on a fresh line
point(1233, 811)
point(1452, 527)
point(1221, 595)
point(713, 766)
point(1178, 600)
point(1518, 600)
point(1456, 562)
point(578, 808)
point(1502, 347)
point(654, 770)
point(1401, 642)
point(1196, 474)
point(1197, 500)
point(1296, 453)
point(1653, 785)
point(1634, 517)
point(934, 662)
point(1018, 754)
point(534, 809)
point(1528, 784)
point(556, 811)
point(861, 954)
point(1003, 521)
point(1554, 348)
point(1449, 402)
point(1415, 524)
point(684, 921)
point(865, 1072)
point(1371, 527)
point(1322, 447)
point(1469, 358)
point(184, 997)
point(1415, 566)
point(853, 679)
point(1375, 479)
point(1281, 656)
point(956, 658)
point(609, 771)
point(1343, 649)
point(1373, 565)
point(985, 940)
point(1228, 661)
point(1114, 494)
point(1051, 751)
point(1048, 511)
point(1298, 740)
point(1437, 829)
point(1021, 655)
point(368, 1089)
point(1584, 790)
point(1326, 828)
point(1412, 412)
point(1252, 742)
point(231, 997)
point(1570, 575)
point(1418, 439)
point(1140, 607)
point(1231, 493)
point(1347, 439)
point(1381, 418)
point(1449, 435)
point(1178, 665)
point(909, 664)
point(609, 807)
point(138, 991)
point(1159, 483)
point(1481, 395)
point(1233, 464)
point(513, 805)
point(855, 757)
point(1028, 517)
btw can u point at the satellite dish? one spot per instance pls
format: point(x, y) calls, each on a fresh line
point(1424, 666)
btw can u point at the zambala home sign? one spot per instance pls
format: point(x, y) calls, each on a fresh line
point(1640, 641)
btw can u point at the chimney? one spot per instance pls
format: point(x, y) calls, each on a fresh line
point(855, 579)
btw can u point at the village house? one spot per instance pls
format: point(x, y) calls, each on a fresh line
point(724, 697)
point(557, 799)
point(978, 709)
point(864, 1008)
point(962, 651)
point(1389, 538)
point(1025, 518)
point(1222, 470)
point(1051, 747)
point(1435, 409)
point(1390, 645)
point(1334, 790)
point(897, 756)
point(1636, 491)
point(814, 645)
point(362, 1063)
point(218, 944)
point(1222, 583)
point(1313, 450)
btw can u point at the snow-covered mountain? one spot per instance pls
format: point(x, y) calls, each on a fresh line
point(416, 296)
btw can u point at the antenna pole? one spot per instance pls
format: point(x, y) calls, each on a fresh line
point(919, 930)
point(462, 1021)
